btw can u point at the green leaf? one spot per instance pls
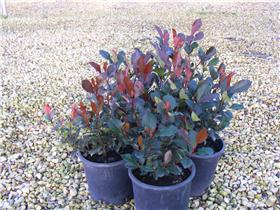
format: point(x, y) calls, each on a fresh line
point(130, 162)
point(237, 106)
point(194, 117)
point(192, 137)
point(115, 125)
point(157, 100)
point(213, 62)
point(225, 97)
point(160, 172)
point(194, 45)
point(188, 48)
point(173, 169)
point(149, 120)
point(171, 100)
point(186, 162)
point(213, 72)
point(172, 85)
point(182, 94)
point(168, 131)
point(204, 88)
point(205, 151)
point(160, 71)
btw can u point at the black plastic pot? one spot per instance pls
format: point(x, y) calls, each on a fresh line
point(205, 170)
point(108, 182)
point(150, 197)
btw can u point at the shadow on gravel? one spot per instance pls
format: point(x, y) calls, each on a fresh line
point(256, 54)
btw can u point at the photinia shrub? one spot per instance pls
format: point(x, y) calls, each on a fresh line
point(200, 82)
point(93, 127)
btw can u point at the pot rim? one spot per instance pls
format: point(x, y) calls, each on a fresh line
point(217, 154)
point(160, 188)
point(99, 165)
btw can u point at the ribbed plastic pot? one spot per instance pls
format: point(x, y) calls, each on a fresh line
point(107, 182)
point(150, 197)
point(205, 170)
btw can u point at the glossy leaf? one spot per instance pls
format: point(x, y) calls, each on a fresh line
point(95, 66)
point(186, 162)
point(149, 120)
point(87, 86)
point(171, 100)
point(168, 131)
point(194, 117)
point(201, 136)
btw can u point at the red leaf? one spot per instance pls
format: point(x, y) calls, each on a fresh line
point(105, 66)
point(100, 100)
point(120, 82)
point(147, 70)
point(228, 78)
point(129, 87)
point(201, 136)
point(95, 66)
point(174, 33)
point(93, 107)
point(87, 86)
point(84, 113)
point(222, 72)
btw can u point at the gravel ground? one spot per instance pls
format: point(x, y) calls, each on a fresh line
point(44, 50)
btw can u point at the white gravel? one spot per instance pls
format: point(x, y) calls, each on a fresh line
point(44, 49)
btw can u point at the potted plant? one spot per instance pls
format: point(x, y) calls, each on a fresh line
point(100, 138)
point(159, 167)
point(205, 97)
point(210, 104)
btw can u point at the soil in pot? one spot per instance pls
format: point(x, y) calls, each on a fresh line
point(163, 181)
point(112, 156)
point(215, 145)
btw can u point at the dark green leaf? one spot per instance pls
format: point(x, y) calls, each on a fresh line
point(204, 88)
point(210, 53)
point(213, 62)
point(130, 162)
point(149, 120)
point(194, 45)
point(201, 54)
point(213, 72)
point(186, 162)
point(171, 100)
point(115, 125)
point(160, 71)
point(168, 131)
